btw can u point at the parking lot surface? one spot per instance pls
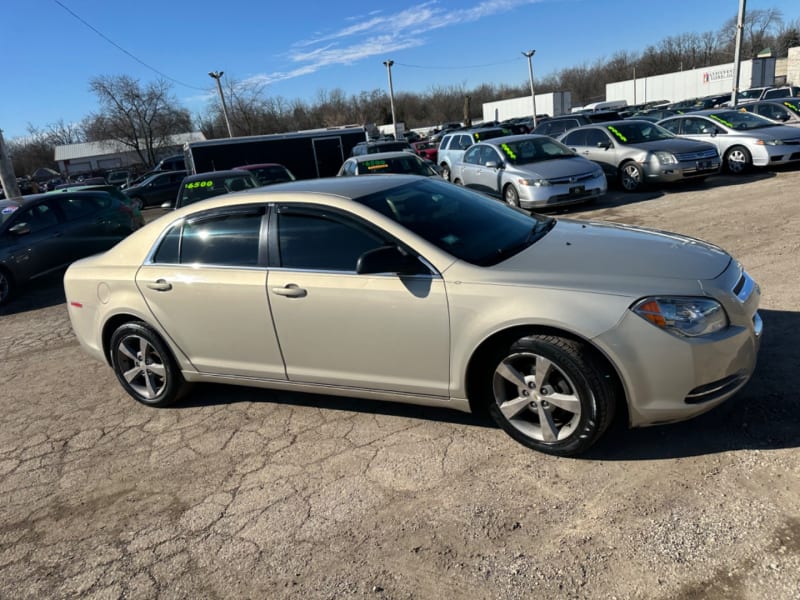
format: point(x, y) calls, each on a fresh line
point(241, 492)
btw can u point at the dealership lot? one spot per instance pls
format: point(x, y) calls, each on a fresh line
point(243, 492)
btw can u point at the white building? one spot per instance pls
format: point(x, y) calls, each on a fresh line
point(552, 104)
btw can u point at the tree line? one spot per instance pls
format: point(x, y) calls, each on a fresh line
point(143, 116)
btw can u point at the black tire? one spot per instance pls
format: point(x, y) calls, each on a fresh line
point(138, 199)
point(7, 286)
point(737, 160)
point(510, 195)
point(144, 365)
point(631, 176)
point(564, 413)
point(445, 172)
point(458, 182)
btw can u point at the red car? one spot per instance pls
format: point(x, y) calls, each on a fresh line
point(429, 150)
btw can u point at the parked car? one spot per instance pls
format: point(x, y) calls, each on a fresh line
point(530, 171)
point(653, 114)
point(269, 173)
point(207, 185)
point(766, 93)
point(427, 150)
point(414, 290)
point(384, 163)
point(42, 233)
point(558, 125)
point(742, 138)
point(785, 112)
point(638, 152)
point(455, 143)
point(114, 191)
point(118, 178)
point(375, 146)
point(156, 188)
point(176, 162)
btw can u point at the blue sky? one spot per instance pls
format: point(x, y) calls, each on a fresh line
point(302, 48)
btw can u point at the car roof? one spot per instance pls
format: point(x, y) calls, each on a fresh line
point(381, 155)
point(258, 166)
point(225, 173)
point(505, 139)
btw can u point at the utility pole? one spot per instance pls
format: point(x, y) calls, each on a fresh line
point(388, 64)
point(737, 58)
point(218, 75)
point(7, 177)
point(530, 54)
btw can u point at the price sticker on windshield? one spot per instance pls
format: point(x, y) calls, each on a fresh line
point(199, 184)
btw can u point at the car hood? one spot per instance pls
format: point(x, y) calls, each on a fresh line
point(615, 257)
point(776, 132)
point(556, 168)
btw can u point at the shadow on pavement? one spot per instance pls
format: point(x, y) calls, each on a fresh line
point(40, 293)
point(765, 415)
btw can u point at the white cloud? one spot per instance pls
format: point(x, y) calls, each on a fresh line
point(378, 33)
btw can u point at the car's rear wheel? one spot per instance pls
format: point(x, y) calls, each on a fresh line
point(738, 160)
point(6, 286)
point(458, 182)
point(510, 195)
point(144, 365)
point(551, 394)
point(631, 176)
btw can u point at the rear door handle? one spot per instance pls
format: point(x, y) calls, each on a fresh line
point(160, 285)
point(290, 291)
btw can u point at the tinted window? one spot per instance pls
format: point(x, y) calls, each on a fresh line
point(169, 250)
point(317, 242)
point(473, 155)
point(575, 138)
point(461, 222)
point(672, 125)
point(406, 164)
point(82, 206)
point(214, 185)
point(596, 136)
point(38, 217)
point(230, 239)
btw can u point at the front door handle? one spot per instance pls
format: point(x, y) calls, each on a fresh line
point(290, 291)
point(160, 285)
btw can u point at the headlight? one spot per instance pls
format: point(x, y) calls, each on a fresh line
point(769, 142)
point(534, 182)
point(666, 158)
point(683, 316)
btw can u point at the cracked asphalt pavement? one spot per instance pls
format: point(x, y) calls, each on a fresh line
point(239, 492)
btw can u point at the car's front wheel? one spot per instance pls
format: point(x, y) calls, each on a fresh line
point(738, 160)
point(445, 172)
point(6, 286)
point(144, 365)
point(511, 195)
point(631, 176)
point(551, 394)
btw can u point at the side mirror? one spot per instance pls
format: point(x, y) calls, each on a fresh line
point(166, 205)
point(493, 164)
point(604, 145)
point(389, 259)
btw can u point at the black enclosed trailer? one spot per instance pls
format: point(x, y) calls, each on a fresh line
point(307, 154)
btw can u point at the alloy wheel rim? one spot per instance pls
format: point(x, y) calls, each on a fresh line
point(536, 397)
point(142, 366)
point(736, 162)
point(631, 178)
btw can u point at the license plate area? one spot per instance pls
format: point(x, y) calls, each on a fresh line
point(704, 165)
point(578, 189)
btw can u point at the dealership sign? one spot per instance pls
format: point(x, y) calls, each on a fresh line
point(718, 74)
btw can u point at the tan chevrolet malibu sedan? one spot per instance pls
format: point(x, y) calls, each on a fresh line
point(408, 289)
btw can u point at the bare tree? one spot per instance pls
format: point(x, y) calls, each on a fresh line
point(140, 117)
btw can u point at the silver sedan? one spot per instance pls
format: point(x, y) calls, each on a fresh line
point(636, 152)
point(529, 171)
point(743, 139)
point(410, 289)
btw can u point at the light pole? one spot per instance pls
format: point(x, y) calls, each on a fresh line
point(388, 64)
point(530, 54)
point(218, 75)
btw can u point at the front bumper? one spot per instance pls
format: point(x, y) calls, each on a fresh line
point(561, 194)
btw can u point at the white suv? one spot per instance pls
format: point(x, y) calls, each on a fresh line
point(455, 143)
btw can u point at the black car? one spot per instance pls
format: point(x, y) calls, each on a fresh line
point(785, 111)
point(556, 126)
point(156, 189)
point(43, 233)
point(214, 183)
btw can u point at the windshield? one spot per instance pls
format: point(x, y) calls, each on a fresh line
point(532, 150)
point(639, 132)
point(755, 93)
point(272, 174)
point(409, 165)
point(793, 106)
point(463, 223)
point(214, 185)
point(741, 120)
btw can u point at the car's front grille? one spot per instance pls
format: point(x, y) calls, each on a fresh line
point(702, 154)
point(573, 179)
